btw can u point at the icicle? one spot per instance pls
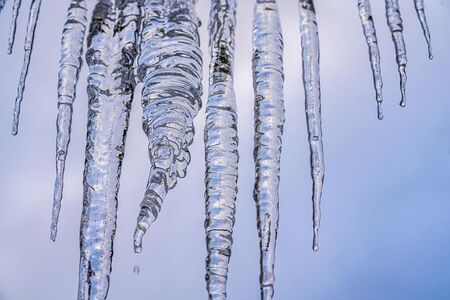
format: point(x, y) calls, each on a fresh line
point(69, 69)
point(420, 9)
point(170, 66)
point(311, 83)
point(112, 48)
point(365, 14)
point(395, 24)
point(268, 78)
point(29, 40)
point(221, 146)
point(2, 4)
point(12, 29)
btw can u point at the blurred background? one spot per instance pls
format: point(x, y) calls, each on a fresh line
point(386, 203)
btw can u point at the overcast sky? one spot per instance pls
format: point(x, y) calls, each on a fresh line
point(386, 208)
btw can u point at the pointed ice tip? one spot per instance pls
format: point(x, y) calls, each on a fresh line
point(138, 234)
point(316, 247)
point(14, 131)
point(403, 102)
point(430, 56)
point(53, 232)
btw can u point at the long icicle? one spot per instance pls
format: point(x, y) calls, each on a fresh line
point(13, 26)
point(395, 23)
point(28, 47)
point(268, 80)
point(365, 14)
point(112, 48)
point(311, 83)
point(221, 147)
point(420, 9)
point(170, 66)
point(69, 69)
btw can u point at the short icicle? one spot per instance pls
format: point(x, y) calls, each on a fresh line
point(311, 83)
point(13, 26)
point(170, 67)
point(70, 64)
point(221, 147)
point(112, 48)
point(28, 47)
point(268, 79)
point(365, 14)
point(420, 9)
point(395, 23)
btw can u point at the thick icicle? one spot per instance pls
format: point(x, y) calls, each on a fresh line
point(12, 28)
point(420, 9)
point(28, 47)
point(112, 48)
point(221, 146)
point(365, 14)
point(170, 66)
point(69, 69)
point(268, 78)
point(311, 83)
point(395, 23)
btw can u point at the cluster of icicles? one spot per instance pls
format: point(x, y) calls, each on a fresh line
point(156, 43)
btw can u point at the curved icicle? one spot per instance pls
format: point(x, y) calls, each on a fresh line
point(13, 26)
point(69, 69)
point(311, 82)
point(170, 66)
point(420, 9)
point(365, 14)
point(395, 23)
point(28, 47)
point(268, 80)
point(221, 147)
point(112, 48)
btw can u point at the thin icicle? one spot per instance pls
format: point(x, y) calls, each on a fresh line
point(2, 4)
point(311, 83)
point(420, 9)
point(221, 146)
point(29, 40)
point(170, 66)
point(69, 69)
point(365, 14)
point(395, 23)
point(12, 28)
point(268, 78)
point(112, 48)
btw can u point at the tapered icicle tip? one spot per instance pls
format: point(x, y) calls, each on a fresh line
point(430, 52)
point(316, 238)
point(402, 72)
point(137, 241)
point(15, 126)
point(379, 111)
point(144, 220)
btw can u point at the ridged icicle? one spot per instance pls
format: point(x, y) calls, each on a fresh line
point(170, 66)
point(69, 69)
point(13, 26)
point(112, 48)
point(395, 23)
point(268, 80)
point(420, 9)
point(221, 146)
point(365, 14)
point(28, 47)
point(311, 83)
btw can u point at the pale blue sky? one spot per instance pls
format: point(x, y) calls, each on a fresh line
point(386, 203)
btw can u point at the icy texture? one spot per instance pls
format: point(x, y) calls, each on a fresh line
point(311, 82)
point(365, 14)
point(28, 47)
point(395, 24)
point(69, 69)
point(268, 78)
point(112, 48)
point(221, 147)
point(420, 9)
point(12, 28)
point(2, 4)
point(170, 66)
